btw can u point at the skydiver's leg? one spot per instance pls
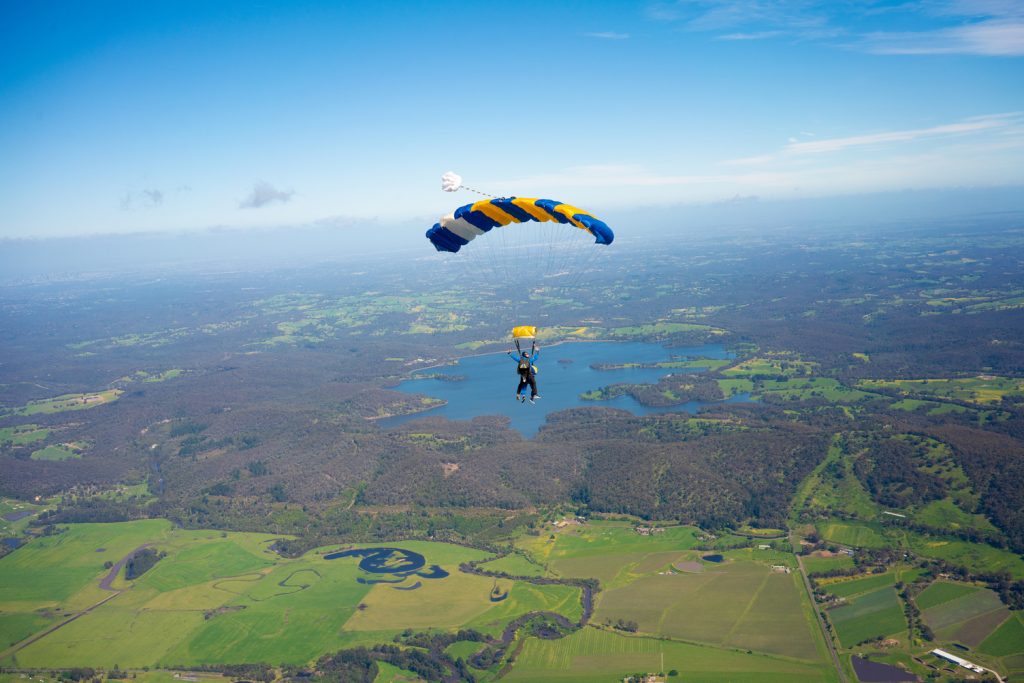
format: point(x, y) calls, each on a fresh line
point(533, 388)
point(519, 390)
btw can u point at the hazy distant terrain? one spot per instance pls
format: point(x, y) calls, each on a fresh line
point(885, 442)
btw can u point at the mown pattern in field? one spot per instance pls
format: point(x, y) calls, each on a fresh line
point(816, 563)
point(594, 654)
point(961, 609)
point(868, 616)
point(852, 534)
point(739, 604)
point(1006, 640)
point(845, 588)
point(943, 591)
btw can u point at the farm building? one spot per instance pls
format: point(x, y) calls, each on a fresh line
point(948, 656)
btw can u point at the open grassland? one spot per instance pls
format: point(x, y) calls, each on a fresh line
point(781, 365)
point(60, 404)
point(804, 389)
point(984, 389)
point(389, 673)
point(602, 549)
point(51, 571)
point(593, 655)
point(739, 603)
point(22, 434)
point(945, 514)
point(868, 616)
point(976, 557)
point(222, 598)
point(833, 487)
point(59, 451)
point(514, 564)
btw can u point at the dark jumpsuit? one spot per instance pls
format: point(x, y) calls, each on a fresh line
point(528, 376)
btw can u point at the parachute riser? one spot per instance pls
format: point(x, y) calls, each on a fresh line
point(533, 346)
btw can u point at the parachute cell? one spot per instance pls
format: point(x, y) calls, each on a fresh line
point(468, 222)
point(524, 332)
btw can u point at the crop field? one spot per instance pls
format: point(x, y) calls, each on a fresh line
point(739, 604)
point(870, 615)
point(815, 563)
point(961, 609)
point(597, 655)
point(943, 591)
point(845, 588)
point(1006, 640)
point(802, 389)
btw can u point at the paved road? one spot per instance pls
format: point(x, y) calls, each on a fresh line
point(821, 622)
point(105, 584)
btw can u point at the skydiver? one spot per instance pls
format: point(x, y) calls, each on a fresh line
point(527, 373)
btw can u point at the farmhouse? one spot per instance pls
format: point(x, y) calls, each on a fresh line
point(957, 660)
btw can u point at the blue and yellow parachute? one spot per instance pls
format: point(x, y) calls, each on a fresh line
point(458, 229)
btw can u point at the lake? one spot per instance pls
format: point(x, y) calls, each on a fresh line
point(489, 382)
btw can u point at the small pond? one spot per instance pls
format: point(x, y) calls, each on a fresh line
point(875, 672)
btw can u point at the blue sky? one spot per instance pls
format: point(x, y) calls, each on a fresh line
point(142, 116)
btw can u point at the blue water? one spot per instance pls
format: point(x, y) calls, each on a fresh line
point(490, 382)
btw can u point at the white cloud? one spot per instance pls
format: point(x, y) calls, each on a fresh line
point(973, 125)
point(996, 38)
point(263, 194)
point(607, 35)
point(992, 28)
point(759, 35)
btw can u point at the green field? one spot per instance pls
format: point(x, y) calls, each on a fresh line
point(59, 404)
point(22, 434)
point(220, 597)
point(870, 615)
point(942, 591)
point(977, 557)
point(849, 587)
point(852, 534)
point(984, 389)
point(593, 655)
point(741, 604)
point(1006, 640)
point(57, 452)
point(814, 564)
point(514, 564)
point(962, 609)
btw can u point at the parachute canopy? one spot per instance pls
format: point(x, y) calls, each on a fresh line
point(524, 332)
point(458, 229)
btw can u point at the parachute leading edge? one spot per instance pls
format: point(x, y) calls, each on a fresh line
point(458, 229)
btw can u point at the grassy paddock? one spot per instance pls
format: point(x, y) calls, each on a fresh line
point(593, 655)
